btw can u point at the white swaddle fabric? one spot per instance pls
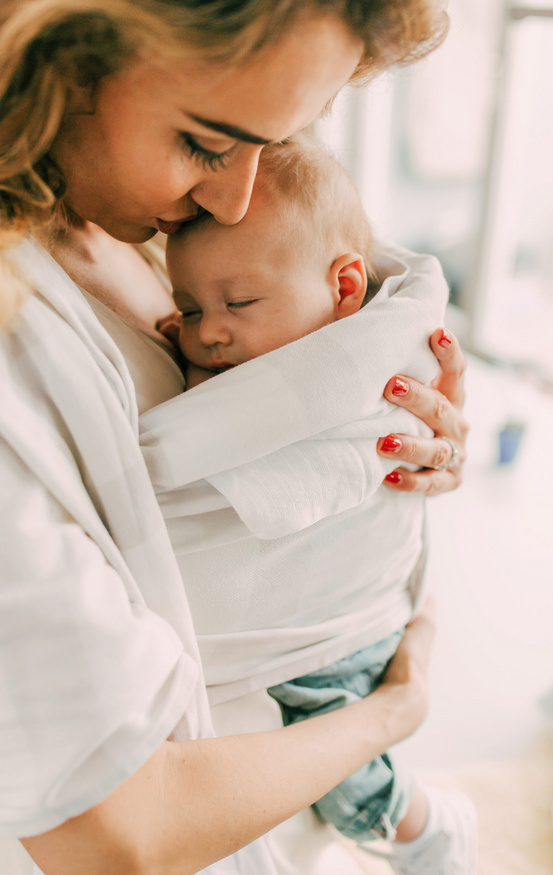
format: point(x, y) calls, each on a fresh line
point(291, 552)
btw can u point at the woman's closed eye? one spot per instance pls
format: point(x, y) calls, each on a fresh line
point(209, 159)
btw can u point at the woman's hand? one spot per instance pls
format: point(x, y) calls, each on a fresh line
point(405, 684)
point(412, 658)
point(440, 406)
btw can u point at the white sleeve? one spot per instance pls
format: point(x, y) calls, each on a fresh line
point(91, 683)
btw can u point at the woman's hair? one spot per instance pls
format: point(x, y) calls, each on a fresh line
point(50, 47)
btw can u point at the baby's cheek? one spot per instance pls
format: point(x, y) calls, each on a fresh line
point(185, 340)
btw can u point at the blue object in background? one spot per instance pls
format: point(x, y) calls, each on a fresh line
point(510, 437)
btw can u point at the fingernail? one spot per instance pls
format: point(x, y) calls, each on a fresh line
point(393, 477)
point(400, 387)
point(390, 444)
point(445, 339)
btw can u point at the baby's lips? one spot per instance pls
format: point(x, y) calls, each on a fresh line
point(220, 366)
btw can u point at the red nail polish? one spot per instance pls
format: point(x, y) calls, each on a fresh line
point(445, 340)
point(390, 444)
point(393, 477)
point(400, 387)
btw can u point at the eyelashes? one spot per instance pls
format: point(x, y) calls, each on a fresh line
point(191, 315)
point(238, 305)
point(196, 315)
point(210, 160)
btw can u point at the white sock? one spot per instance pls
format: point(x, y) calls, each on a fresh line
point(430, 828)
point(447, 844)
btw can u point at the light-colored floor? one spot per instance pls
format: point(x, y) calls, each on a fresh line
point(491, 568)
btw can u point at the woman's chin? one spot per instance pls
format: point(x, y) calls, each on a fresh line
point(131, 233)
point(125, 232)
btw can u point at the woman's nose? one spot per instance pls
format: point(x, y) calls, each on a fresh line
point(214, 330)
point(226, 194)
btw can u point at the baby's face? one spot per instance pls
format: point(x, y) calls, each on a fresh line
point(243, 290)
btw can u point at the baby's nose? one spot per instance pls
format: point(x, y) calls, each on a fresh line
point(213, 330)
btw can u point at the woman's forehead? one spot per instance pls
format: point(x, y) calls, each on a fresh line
point(270, 95)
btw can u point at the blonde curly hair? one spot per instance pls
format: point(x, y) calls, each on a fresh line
point(49, 46)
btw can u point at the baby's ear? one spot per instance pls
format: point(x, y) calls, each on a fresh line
point(348, 278)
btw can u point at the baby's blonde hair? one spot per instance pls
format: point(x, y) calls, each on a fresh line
point(316, 196)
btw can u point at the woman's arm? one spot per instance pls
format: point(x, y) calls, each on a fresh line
point(440, 406)
point(196, 802)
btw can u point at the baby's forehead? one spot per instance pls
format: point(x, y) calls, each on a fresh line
point(272, 225)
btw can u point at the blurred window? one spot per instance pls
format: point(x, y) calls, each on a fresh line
point(452, 156)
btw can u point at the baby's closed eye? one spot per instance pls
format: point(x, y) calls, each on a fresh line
point(190, 314)
point(237, 305)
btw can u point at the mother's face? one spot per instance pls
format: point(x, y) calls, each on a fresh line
point(168, 138)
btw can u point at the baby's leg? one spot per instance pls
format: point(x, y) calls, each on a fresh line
point(372, 801)
point(430, 830)
point(414, 820)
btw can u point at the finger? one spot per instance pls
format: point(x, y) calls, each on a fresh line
point(421, 451)
point(428, 404)
point(427, 482)
point(451, 380)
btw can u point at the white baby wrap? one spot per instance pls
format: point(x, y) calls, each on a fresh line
point(291, 552)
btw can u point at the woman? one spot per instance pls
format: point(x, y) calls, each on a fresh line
point(118, 120)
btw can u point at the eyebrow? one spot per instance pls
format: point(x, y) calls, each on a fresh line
point(231, 131)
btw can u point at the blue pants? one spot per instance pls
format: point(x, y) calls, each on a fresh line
point(372, 801)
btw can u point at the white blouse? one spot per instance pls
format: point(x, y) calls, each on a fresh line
point(98, 660)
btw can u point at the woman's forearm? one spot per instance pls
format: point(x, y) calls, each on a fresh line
point(195, 802)
point(264, 778)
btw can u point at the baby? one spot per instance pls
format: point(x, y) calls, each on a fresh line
point(302, 258)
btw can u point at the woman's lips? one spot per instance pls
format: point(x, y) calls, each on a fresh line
point(173, 226)
point(170, 227)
